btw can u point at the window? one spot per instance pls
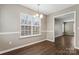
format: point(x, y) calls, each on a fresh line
point(30, 26)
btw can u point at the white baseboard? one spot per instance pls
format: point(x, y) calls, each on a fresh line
point(8, 50)
point(49, 40)
point(59, 35)
point(76, 47)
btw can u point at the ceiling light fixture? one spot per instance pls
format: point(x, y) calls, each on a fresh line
point(38, 14)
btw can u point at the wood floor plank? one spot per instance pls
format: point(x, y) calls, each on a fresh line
point(43, 48)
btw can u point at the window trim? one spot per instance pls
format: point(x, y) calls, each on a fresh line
point(31, 35)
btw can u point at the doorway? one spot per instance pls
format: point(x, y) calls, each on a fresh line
point(65, 30)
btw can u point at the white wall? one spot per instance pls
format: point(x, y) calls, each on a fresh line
point(58, 28)
point(10, 22)
point(50, 27)
point(51, 22)
point(69, 26)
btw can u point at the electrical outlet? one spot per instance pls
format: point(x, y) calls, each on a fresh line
point(78, 28)
point(10, 42)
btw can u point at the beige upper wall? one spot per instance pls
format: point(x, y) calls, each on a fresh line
point(50, 24)
point(12, 14)
point(10, 22)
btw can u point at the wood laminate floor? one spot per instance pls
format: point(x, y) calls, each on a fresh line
point(66, 41)
point(44, 48)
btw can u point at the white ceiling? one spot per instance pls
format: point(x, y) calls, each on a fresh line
point(47, 8)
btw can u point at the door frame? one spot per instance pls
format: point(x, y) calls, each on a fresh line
point(74, 25)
